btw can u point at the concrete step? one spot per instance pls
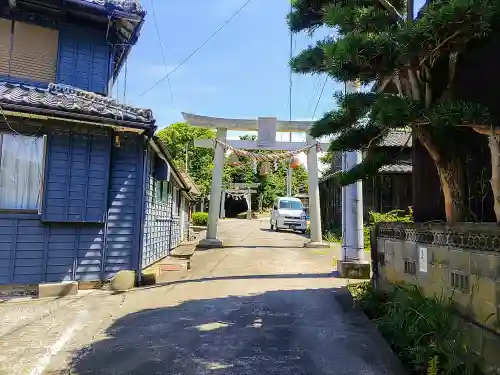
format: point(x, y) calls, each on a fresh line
point(184, 251)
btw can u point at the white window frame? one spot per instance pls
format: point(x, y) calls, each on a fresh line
point(38, 208)
point(175, 201)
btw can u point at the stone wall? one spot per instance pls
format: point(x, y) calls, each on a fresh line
point(460, 263)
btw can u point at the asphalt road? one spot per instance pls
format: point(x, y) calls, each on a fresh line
point(262, 305)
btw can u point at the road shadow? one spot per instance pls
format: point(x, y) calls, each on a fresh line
point(299, 332)
point(239, 277)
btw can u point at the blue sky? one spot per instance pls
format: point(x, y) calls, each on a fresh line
point(242, 72)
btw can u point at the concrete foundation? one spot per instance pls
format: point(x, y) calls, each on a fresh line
point(353, 270)
point(57, 289)
point(317, 245)
point(210, 243)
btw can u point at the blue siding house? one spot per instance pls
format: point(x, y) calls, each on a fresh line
point(86, 189)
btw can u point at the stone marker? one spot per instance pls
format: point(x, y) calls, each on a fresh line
point(123, 280)
point(47, 290)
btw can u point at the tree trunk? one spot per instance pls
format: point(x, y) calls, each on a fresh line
point(452, 177)
point(494, 143)
point(451, 173)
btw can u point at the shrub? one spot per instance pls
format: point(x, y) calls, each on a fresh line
point(420, 330)
point(200, 219)
point(394, 216)
point(333, 235)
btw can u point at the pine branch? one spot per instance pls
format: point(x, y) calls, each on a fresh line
point(363, 56)
point(370, 166)
point(307, 14)
point(352, 108)
point(356, 138)
point(361, 19)
point(312, 59)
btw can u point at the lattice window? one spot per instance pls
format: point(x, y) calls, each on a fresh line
point(460, 282)
point(410, 267)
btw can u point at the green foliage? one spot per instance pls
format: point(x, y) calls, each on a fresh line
point(200, 160)
point(394, 216)
point(420, 330)
point(272, 185)
point(200, 219)
point(372, 43)
point(333, 235)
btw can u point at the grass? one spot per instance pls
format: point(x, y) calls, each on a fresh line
point(420, 330)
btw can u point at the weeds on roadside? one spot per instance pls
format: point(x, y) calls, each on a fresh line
point(420, 330)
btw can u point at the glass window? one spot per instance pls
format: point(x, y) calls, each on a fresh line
point(21, 171)
point(175, 202)
point(291, 205)
point(158, 190)
point(164, 194)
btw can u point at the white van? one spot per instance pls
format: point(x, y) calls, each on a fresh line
point(288, 213)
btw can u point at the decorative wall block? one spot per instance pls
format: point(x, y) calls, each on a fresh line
point(459, 260)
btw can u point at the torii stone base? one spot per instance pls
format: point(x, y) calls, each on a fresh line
point(210, 243)
point(317, 245)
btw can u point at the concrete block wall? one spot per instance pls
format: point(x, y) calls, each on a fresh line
point(459, 263)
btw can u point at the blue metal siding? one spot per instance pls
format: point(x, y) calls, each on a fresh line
point(124, 205)
point(77, 177)
point(157, 223)
point(84, 58)
point(33, 251)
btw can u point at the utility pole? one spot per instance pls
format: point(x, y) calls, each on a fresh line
point(352, 204)
point(289, 174)
point(187, 156)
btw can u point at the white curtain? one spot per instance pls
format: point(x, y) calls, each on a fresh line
point(21, 169)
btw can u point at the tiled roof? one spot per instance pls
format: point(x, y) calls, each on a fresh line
point(130, 6)
point(397, 138)
point(402, 167)
point(396, 168)
point(74, 101)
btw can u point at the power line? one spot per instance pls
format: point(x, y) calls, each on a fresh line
point(291, 73)
point(320, 96)
point(125, 78)
point(315, 92)
point(199, 47)
point(162, 52)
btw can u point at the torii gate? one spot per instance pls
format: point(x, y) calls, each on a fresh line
point(238, 188)
point(266, 140)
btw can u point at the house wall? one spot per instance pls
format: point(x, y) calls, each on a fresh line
point(84, 58)
point(162, 229)
point(67, 53)
point(58, 249)
point(458, 263)
point(157, 223)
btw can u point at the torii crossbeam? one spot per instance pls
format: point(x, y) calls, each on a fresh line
point(266, 128)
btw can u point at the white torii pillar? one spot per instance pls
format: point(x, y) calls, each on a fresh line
point(267, 128)
point(215, 193)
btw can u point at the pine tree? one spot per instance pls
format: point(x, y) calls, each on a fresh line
point(412, 63)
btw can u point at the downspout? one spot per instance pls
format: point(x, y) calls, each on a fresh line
point(145, 175)
point(171, 191)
